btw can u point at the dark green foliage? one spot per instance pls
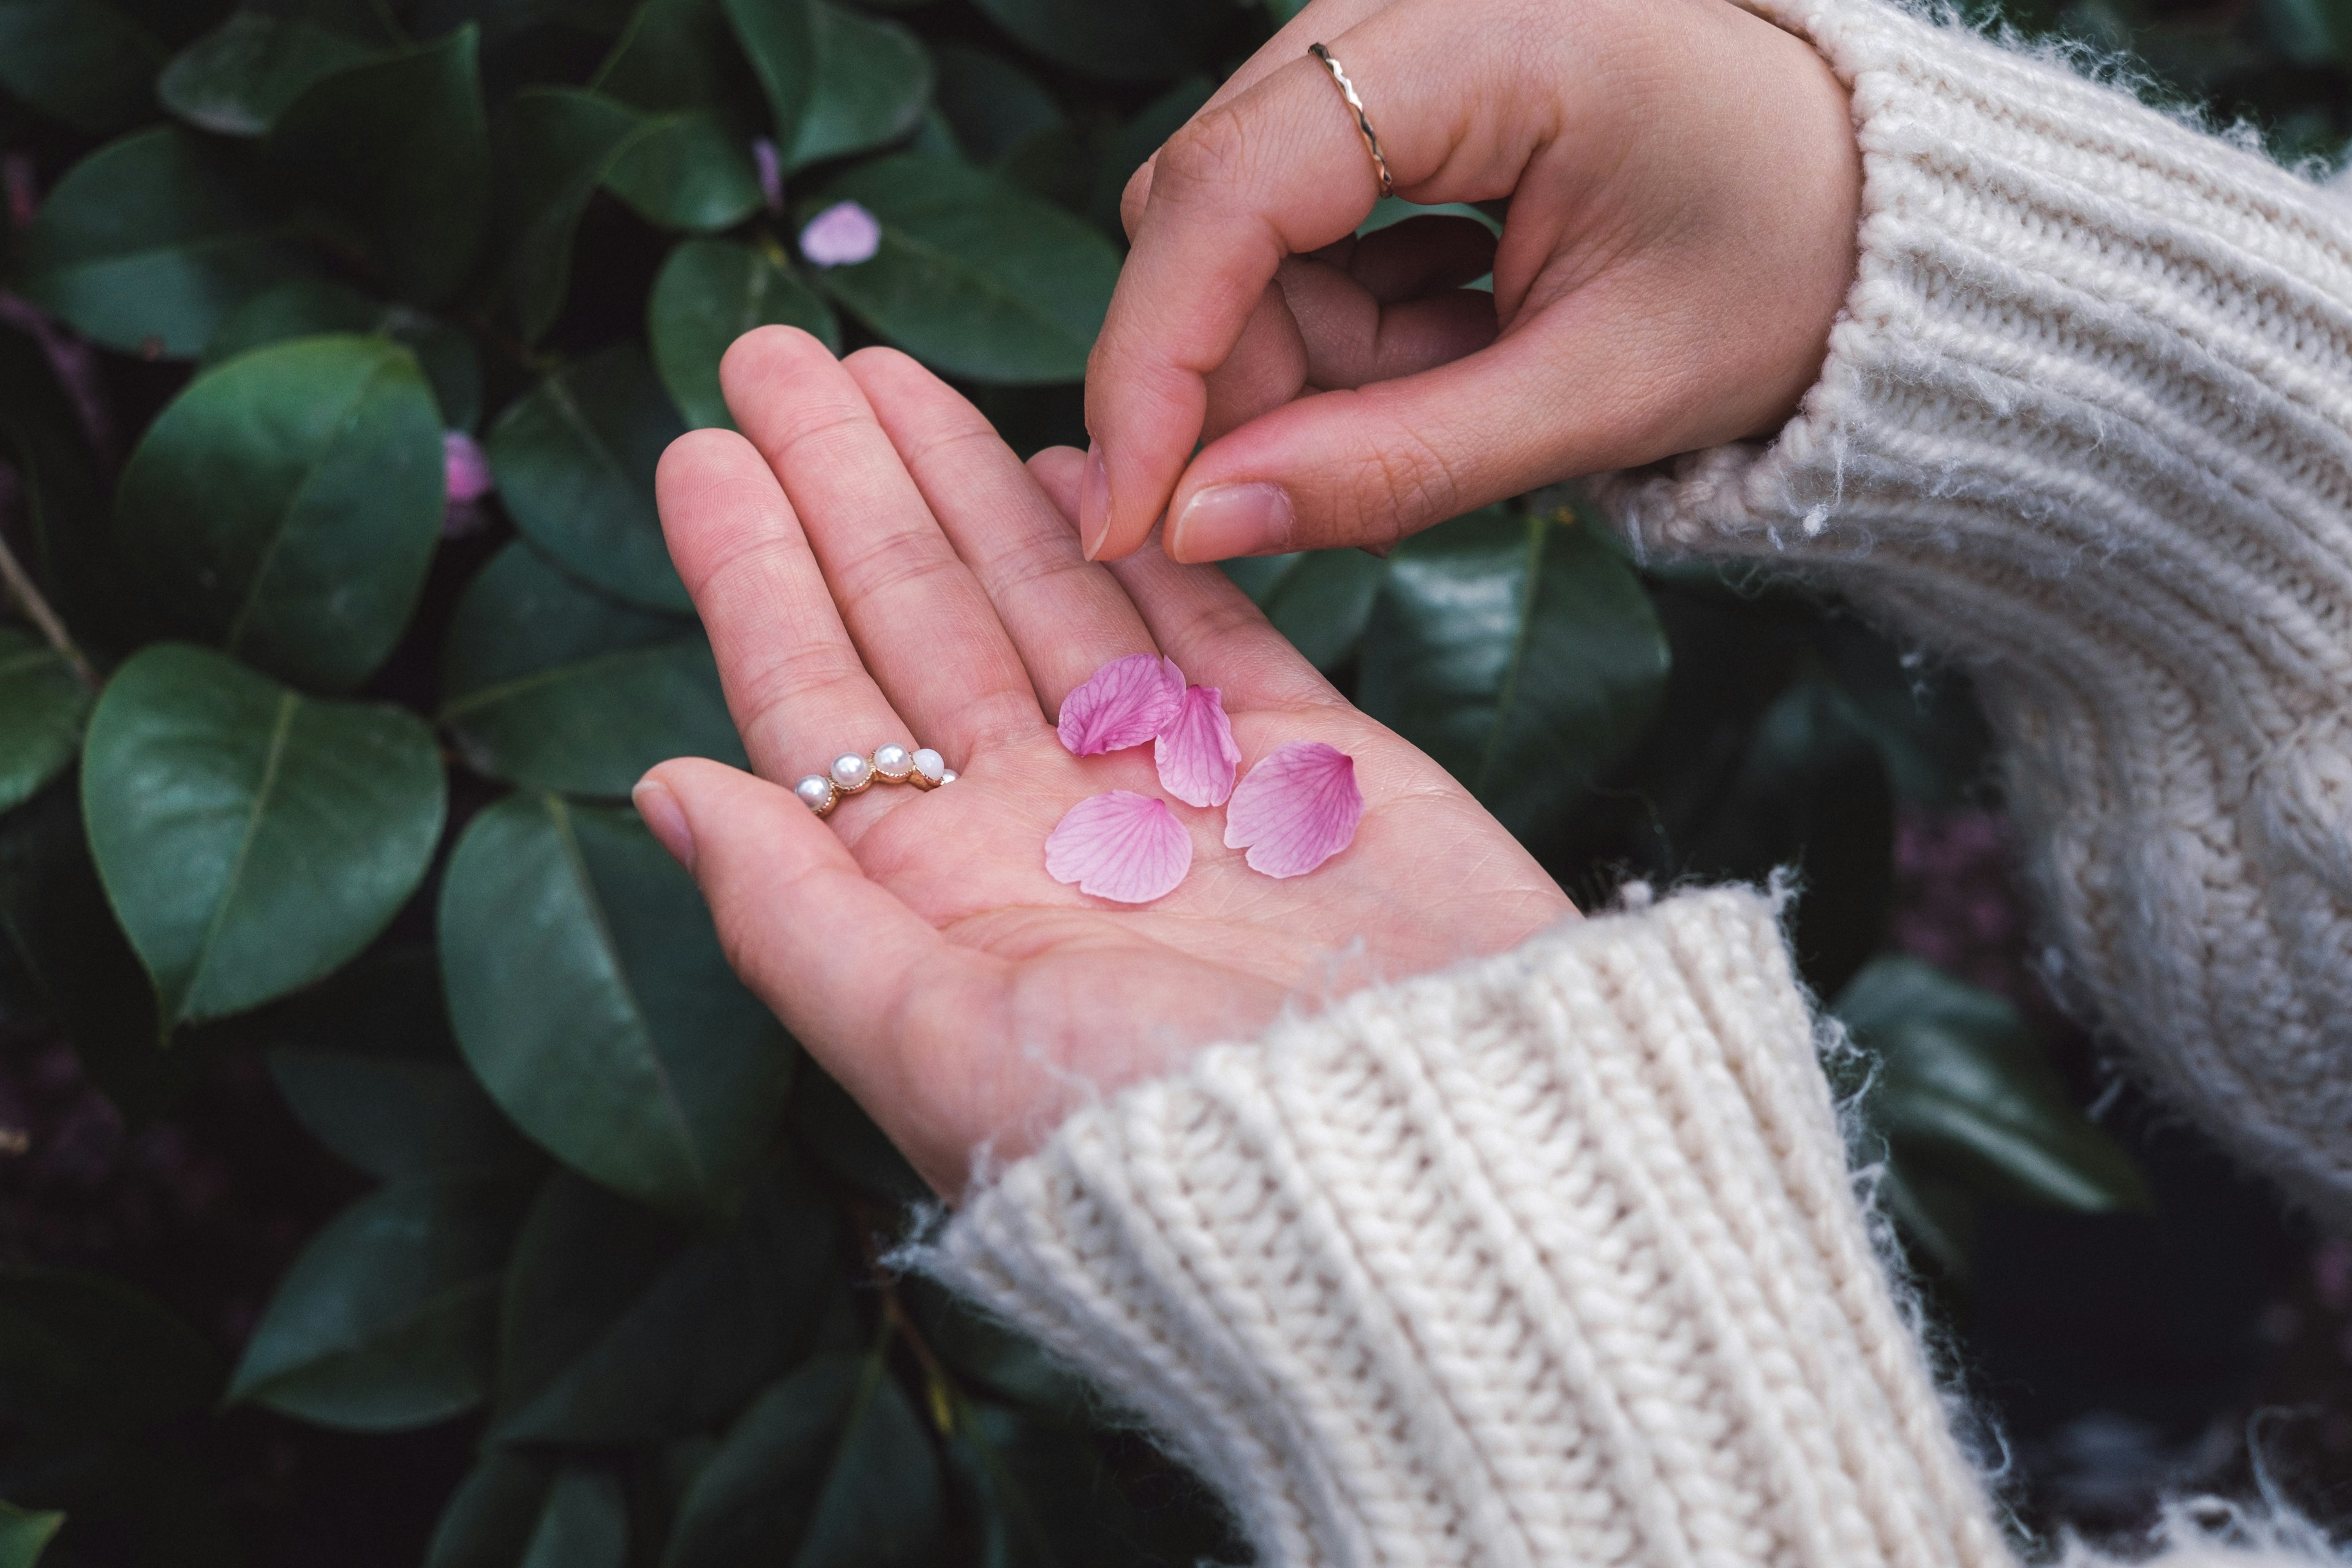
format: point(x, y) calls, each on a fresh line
point(372, 825)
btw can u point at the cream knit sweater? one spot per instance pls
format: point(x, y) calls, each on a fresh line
point(1555, 1258)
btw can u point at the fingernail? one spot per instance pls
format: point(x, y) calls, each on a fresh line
point(1225, 520)
point(662, 816)
point(1094, 503)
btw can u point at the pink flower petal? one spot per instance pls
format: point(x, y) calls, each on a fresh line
point(465, 468)
point(1125, 703)
point(1120, 846)
point(841, 236)
point(1296, 809)
point(1195, 752)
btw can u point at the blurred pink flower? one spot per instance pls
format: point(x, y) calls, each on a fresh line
point(771, 166)
point(841, 236)
point(466, 478)
point(1125, 703)
point(1195, 752)
point(1120, 846)
point(1296, 809)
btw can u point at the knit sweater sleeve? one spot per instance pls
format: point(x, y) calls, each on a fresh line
point(1552, 1260)
point(2086, 426)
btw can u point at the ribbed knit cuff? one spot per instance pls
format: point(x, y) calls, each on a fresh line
point(2086, 426)
point(1549, 1260)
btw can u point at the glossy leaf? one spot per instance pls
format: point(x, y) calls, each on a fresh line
point(992, 104)
point(240, 78)
point(491, 1519)
point(1520, 652)
point(150, 242)
point(554, 145)
point(26, 1534)
point(673, 55)
point(401, 147)
point(1320, 599)
point(83, 1355)
point(1962, 1087)
point(388, 1320)
point(584, 1525)
point(1038, 1488)
point(312, 307)
point(752, 1501)
point(251, 839)
point(289, 504)
point(574, 459)
point(396, 1117)
point(593, 1000)
point(619, 1329)
point(83, 62)
point(972, 276)
point(710, 292)
point(685, 171)
point(42, 702)
point(880, 1501)
point(837, 81)
point(1139, 40)
point(550, 685)
point(1138, 139)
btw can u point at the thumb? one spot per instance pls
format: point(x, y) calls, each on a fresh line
point(830, 950)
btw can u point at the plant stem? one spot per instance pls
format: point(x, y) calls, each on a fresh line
point(28, 593)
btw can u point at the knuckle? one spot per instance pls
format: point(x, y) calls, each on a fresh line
point(1213, 150)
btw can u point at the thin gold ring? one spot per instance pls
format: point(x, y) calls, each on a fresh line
point(1363, 120)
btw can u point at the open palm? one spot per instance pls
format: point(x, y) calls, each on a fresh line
point(874, 564)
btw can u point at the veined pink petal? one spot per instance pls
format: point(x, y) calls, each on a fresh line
point(1296, 809)
point(1120, 846)
point(1195, 752)
point(1125, 703)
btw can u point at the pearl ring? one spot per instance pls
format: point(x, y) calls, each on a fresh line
point(853, 774)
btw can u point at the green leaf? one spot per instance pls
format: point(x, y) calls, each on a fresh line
point(686, 172)
point(551, 686)
point(24, 1535)
point(834, 1128)
point(575, 462)
point(489, 1520)
point(1964, 1088)
point(1138, 40)
point(992, 104)
point(554, 145)
point(395, 1117)
point(585, 1525)
point(972, 276)
point(149, 243)
point(752, 1500)
point(978, 1348)
point(289, 504)
point(833, 1460)
point(1521, 652)
point(674, 55)
point(592, 998)
point(313, 307)
point(838, 82)
point(1320, 599)
point(401, 147)
point(710, 292)
point(42, 702)
point(1038, 1488)
point(251, 839)
point(1811, 790)
point(240, 78)
point(388, 1320)
point(80, 61)
point(85, 1356)
point(618, 1329)
point(880, 1501)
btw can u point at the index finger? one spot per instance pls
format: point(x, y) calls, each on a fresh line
point(1276, 171)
